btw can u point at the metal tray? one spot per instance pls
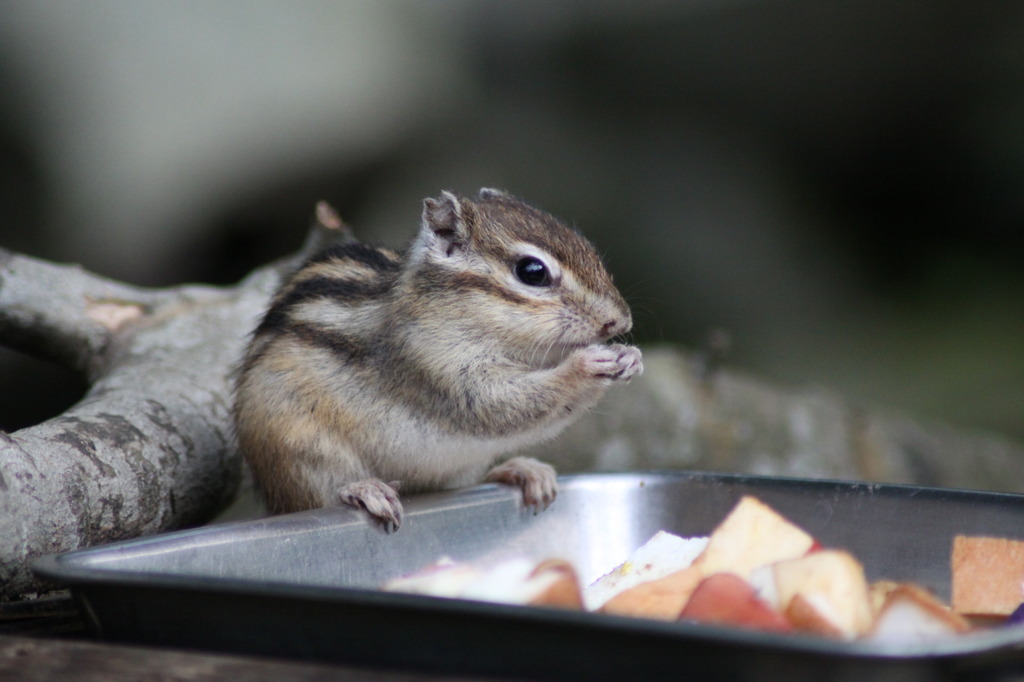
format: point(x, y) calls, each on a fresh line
point(304, 585)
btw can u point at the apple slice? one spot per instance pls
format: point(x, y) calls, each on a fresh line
point(727, 599)
point(825, 592)
point(516, 581)
point(809, 614)
point(878, 593)
point(443, 578)
point(910, 613)
point(753, 535)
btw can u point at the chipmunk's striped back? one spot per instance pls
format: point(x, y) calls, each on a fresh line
point(318, 302)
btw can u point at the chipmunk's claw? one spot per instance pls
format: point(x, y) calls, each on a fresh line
point(378, 498)
point(537, 480)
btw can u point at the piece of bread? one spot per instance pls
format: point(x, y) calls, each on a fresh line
point(663, 598)
point(988, 575)
point(660, 556)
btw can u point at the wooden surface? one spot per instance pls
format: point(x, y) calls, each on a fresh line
point(36, 659)
point(45, 640)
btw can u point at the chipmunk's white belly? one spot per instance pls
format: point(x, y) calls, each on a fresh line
point(425, 457)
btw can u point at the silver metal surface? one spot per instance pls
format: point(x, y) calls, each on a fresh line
point(304, 585)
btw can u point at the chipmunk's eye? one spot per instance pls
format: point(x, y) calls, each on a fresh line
point(533, 272)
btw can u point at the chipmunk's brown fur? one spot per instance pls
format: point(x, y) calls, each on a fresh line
point(424, 367)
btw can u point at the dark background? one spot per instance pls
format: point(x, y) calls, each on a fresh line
point(840, 185)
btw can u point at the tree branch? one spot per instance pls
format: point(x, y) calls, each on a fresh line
point(679, 416)
point(149, 448)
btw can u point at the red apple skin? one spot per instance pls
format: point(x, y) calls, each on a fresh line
point(727, 599)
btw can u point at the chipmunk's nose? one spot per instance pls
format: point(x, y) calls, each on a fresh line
point(615, 327)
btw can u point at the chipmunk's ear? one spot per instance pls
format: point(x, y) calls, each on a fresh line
point(492, 193)
point(445, 228)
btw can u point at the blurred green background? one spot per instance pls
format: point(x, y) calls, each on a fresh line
point(839, 185)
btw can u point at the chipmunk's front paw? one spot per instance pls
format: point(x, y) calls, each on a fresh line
point(378, 498)
point(616, 361)
point(537, 480)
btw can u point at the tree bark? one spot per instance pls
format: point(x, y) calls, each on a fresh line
point(150, 447)
point(679, 416)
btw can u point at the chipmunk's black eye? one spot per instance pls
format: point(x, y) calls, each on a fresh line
point(532, 271)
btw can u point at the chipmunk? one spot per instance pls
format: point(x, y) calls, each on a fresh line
point(375, 369)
